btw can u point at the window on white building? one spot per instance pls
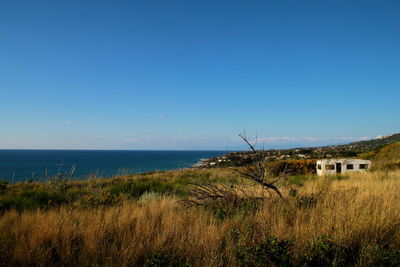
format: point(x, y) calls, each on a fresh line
point(329, 167)
point(350, 166)
point(363, 166)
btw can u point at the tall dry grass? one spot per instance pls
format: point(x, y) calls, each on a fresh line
point(359, 214)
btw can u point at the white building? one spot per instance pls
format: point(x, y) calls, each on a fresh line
point(341, 166)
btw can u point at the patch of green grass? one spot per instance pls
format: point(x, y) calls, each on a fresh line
point(32, 199)
point(76, 193)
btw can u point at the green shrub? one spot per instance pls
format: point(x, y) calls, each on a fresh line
point(157, 259)
point(384, 257)
point(76, 193)
point(272, 252)
point(324, 252)
point(160, 259)
point(32, 200)
point(59, 183)
point(3, 186)
point(319, 253)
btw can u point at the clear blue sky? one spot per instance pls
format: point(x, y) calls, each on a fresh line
point(193, 74)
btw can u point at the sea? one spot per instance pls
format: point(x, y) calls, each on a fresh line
point(42, 165)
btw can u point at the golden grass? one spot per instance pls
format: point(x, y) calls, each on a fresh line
point(361, 212)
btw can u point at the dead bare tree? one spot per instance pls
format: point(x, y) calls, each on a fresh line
point(256, 171)
point(206, 194)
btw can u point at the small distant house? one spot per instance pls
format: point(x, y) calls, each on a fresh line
point(341, 166)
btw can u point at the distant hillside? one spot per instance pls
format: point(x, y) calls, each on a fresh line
point(387, 157)
point(374, 144)
point(367, 148)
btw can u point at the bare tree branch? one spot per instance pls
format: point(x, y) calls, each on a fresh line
point(256, 171)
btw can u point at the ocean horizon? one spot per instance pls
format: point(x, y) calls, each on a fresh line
point(17, 165)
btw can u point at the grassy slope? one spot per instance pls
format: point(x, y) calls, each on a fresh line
point(390, 153)
point(387, 157)
point(102, 192)
point(321, 221)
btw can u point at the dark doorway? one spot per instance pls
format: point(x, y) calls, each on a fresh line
point(338, 167)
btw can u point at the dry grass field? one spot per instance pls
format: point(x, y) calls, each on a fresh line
point(345, 220)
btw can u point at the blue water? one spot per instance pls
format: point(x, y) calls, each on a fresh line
point(40, 165)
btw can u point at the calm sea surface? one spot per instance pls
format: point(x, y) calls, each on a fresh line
point(20, 165)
